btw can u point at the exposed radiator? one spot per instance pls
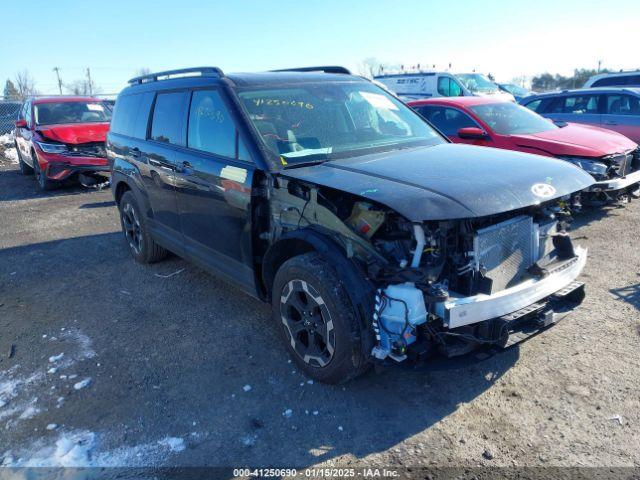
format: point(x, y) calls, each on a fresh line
point(503, 252)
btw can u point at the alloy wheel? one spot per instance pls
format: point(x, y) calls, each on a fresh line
point(132, 229)
point(307, 322)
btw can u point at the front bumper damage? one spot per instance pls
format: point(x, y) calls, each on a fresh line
point(616, 184)
point(461, 311)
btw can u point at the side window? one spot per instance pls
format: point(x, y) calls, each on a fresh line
point(131, 115)
point(141, 119)
point(168, 118)
point(609, 82)
point(447, 120)
point(577, 105)
point(443, 86)
point(455, 89)
point(622, 105)
point(211, 128)
point(123, 114)
point(534, 105)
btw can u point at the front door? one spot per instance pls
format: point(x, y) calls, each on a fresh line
point(213, 186)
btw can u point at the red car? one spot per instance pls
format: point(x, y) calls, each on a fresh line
point(611, 158)
point(58, 137)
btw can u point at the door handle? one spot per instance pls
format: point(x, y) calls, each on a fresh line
point(610, 122)
point(135, 152)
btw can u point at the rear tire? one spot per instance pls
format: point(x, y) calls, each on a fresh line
point(42, 181)
point(316, 320)
point(24, 168)
point(142, 246)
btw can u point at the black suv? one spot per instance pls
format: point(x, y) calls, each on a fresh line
point(373, 237)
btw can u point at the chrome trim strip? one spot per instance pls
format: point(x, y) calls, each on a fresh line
point(460, 311)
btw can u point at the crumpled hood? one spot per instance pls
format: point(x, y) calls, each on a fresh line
point(75, 133)
point(449, 181)
point(577, 140)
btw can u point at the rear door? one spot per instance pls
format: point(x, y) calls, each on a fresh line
point(213, 184)
point(578, 108)
point(622, 114)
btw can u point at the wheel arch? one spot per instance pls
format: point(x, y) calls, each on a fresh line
point(361, 291)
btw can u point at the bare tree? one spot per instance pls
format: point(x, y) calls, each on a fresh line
point(142, 71)
point(25, 84)
point(82, 87)
point(370, 67)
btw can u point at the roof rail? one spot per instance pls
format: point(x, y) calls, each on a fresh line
point(153, 77)
point(327, 69)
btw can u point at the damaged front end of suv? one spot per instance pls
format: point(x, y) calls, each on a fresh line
point(437, 283)
point(440, 247)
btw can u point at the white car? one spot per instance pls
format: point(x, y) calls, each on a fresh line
point(617, 79)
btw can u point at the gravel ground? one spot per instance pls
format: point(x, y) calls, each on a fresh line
point(185, 370)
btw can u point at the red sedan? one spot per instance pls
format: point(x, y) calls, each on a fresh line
point(57, 137)
point(612, 159)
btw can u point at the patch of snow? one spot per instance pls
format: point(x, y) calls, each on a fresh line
point(11, 154)
point(52, 426)
point(81, 384)
point(81, 448)
point(249, 440)
point(287, 413)
point(30, 412)
point(52, 370)
point(247, 388)
point(55, 358)
point(175, 444)
point(7, 138)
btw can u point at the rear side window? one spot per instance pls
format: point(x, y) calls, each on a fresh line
point(622, 105)
point(576, 104)
point(617, 81)
point(447, 120)
point(535, 105)
point(131, 115)
point(211, 128)
point(168, 118)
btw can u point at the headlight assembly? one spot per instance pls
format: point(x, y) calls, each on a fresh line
point(588, 165)
point(52, 147)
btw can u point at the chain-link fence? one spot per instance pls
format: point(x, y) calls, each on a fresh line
point(9, 110)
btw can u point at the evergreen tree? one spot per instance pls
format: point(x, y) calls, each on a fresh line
point(10, 91)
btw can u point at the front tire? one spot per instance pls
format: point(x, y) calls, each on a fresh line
point(42, 181)
point(316, 320)
point(142, 246)
point(24, 168)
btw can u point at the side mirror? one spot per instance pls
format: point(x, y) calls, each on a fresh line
point(21, 123)
point(472, 133)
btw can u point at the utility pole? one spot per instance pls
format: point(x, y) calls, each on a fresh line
point(89, 80)
point(57, 70)
point(599, 64)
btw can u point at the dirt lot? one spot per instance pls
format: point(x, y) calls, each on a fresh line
point(103, 361)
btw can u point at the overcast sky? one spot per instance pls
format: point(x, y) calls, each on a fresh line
point(506, 38)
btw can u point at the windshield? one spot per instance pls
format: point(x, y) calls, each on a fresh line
point(507, 118)
point(476, 82)
point(71, 112)
point(319, 121)
point(515, 89)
